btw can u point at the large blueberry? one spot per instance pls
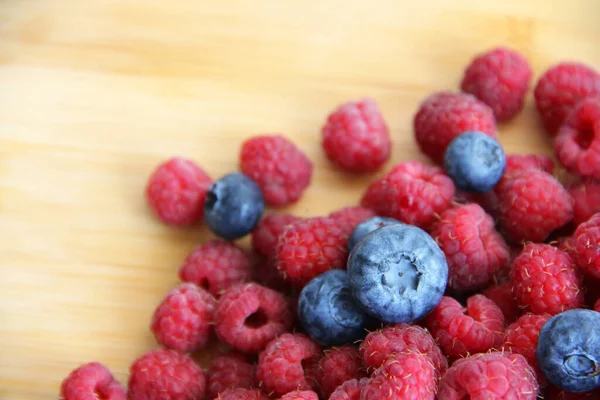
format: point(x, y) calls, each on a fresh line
point(397, 273)
point(234, 204)
point(568, 350)
point(327, 311)
point(475, 162)
point(368, 226)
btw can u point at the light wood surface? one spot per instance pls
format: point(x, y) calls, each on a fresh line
point(94, 93)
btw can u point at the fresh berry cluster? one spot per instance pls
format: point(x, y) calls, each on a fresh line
point(473, 276)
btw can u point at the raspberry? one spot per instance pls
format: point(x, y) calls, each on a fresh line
point(289, 362)
point(444, 115)
point(92, 381)
point(266, 233)
point(216, 265)
point(349, 390)
point(356, 137)
point(586, 200)
point(382, 344)
point(338, 365)
point(349, 217)
point(560, 88)
point(500, 78)
point(473, 247)
point(519, 162)
point(229, 371)
point(521, 337)
point(409, 376)
point(577, 143)
point(242, 394)
point(309, 247)
point(586, 241)
point(544, 280)
point(278, 166)
point(412, 192)
point(489, 376)
point(502, 295)
point(183, 320)
point(300, 395)
point(459, 334)
point(250, 315)
point(165, 375)
point(532, 204)
point(176, 191)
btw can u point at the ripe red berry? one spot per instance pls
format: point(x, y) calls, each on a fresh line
point(502, 295)
point(278, 166)
point(444, 115)
point(586, 242)
point(267, 231)
point(91, 381)
point(586, 200)
point(300, 395)
point(241, 394)
point(500, 78)
point(349, 217)
point(349, 390)
point(231, 370)
point(356, 137)
point(338, 365)
point(176, 191)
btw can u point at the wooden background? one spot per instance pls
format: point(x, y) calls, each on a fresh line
point(95, 93)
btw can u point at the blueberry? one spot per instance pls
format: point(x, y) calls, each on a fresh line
point(234, 204)
point(475, 162)
point(397, 273)
point(568, 350)
point(368, 226)
point(327, 311)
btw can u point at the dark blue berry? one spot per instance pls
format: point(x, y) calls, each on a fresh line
point(234, 204)
point(368, 226)
point(397, 273)
point(568, 350)
point(475, 162)
point(327, 311)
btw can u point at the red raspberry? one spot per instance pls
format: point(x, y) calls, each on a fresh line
point(176, 191)
point(349, 390)
point(356, 137)
point(473, 248)
point(407, 376)
point(502, 295)
point(278, 166)
point(382, 344)
point(459, 334)
point(183, 320)
point(250, 315)
point(532, 204)
point(519, 162)
point(349, 217)
point(560, 88)
point(586, 241)
point(289, 362)
point(310, 247)
point(500, 78)
point(92, 381)
point(338, 365)
point(216, 265)
point(412, 192)
point(544, 280)
point(556, 393)
point(300, 395)
point(444, 115)
point(229, 371)
point(242, 394)
point(267, 231)
point(165, 375)
point(489, 376)
point(586, 200)
point(577, 143)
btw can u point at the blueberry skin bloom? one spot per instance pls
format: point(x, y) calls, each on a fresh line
point(234, 204)
point(327, 311)
point(568, 350)
point(368, 226)
point(475, 162)
point(397, 273)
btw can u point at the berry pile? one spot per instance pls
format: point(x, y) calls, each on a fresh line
point(474, 275)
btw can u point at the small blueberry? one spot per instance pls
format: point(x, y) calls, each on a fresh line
point(368, 226)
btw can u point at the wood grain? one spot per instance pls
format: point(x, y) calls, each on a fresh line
point(93, 94)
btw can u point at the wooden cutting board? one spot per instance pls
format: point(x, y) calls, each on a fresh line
point(95, 93)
